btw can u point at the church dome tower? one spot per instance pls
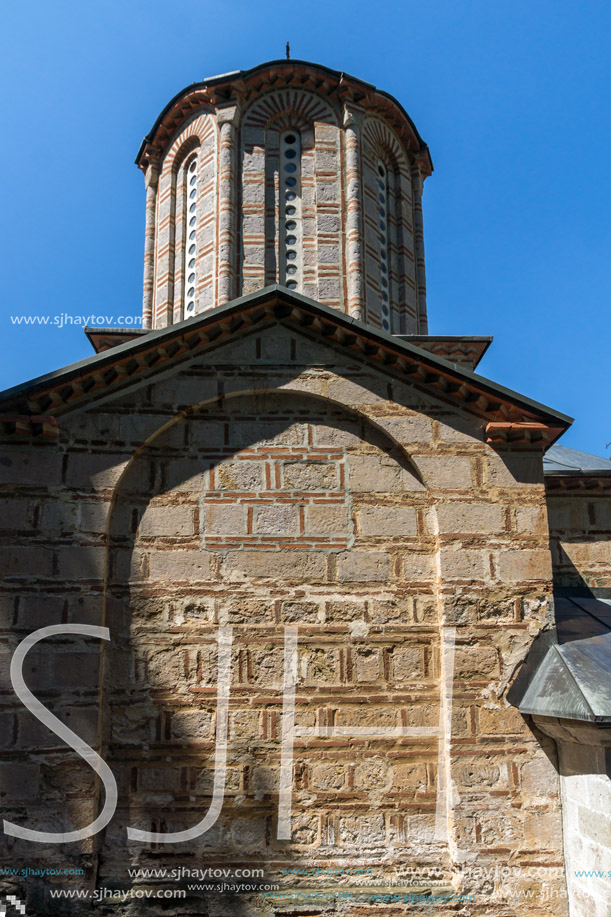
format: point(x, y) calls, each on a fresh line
point(289, 173)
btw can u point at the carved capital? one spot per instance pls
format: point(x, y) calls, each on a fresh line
point(353, 117)
point(229, 114)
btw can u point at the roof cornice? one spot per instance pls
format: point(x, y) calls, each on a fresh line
point(510, 417)
point(241, 85)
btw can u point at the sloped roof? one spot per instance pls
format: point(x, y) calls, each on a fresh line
point(568, 670)
point(32, 409)
point(560, 460)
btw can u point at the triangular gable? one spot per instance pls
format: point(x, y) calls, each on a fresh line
point(31, 410)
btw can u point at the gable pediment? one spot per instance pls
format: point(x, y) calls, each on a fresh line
point(32, 411)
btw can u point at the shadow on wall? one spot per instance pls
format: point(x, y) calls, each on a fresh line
point(56, 578)
point(236, 516)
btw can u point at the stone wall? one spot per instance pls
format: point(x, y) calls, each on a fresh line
point(276, 483)
point(580, 535)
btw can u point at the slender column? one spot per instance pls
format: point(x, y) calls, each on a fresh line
point(151, 181)
point(353, 120)
point(417, 182)
point(227, 119)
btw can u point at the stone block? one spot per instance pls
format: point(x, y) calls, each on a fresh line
point(328, 777)
point(408, 429)
point(460, 429)
point(280, 519)
point(494, 720)
point(421, 829)
point(320, 664)
point(159, 779)
point(18, 781)
point(407, 663)
point(345, 434)
point(531, 520)
point(363, 566)
point(373, 775)
point(514, 469)
point(75, 670)
point(239, 475)
point(248, 834)
point(86, 562)
point(476, 663)
point(191, 725)
point(185, 390)
point(374, 474)
point(224, 519)
point(22, 561)
point(95, 471)
point(524, 565)
point(180, 565)
point(476, 775)
point(470, 518)
point(445, 472)
point(362, 831)
point(328, 519)
point(367, 664)
point(300, 612)
point(419, 567)
point(539, 777)
point(388, 520)
point(240, 610)
point(463, 563)
point(410, 777)
point(59, 516)
point(364, 390)
point(286, 565)
point(30, 468)
point(341, 610)
point(93, 517)
point(595, 825)
point(15, 514)
point(265, 433)
point(310, 476)
point(365, 715)
point(167, 521)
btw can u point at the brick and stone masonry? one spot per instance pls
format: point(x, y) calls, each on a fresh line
point(277, 483)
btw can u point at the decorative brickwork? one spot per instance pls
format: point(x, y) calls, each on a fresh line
point(241, 192)
point(172, 219)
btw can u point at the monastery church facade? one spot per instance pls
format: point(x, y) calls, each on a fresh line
point(356, 597)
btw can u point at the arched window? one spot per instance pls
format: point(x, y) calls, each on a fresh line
point(384, 247)
point(190, 263)
point(291, 229)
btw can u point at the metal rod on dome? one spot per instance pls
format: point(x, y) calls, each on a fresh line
point(288, 51)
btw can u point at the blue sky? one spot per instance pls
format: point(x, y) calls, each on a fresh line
point(512, 98)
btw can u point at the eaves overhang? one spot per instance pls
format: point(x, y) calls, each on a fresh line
point(241, 85)
point(567, 469)
point(510, 417)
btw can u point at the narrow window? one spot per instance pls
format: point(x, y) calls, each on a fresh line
point(190, 273)
point(291, 231)
point(383, 240)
